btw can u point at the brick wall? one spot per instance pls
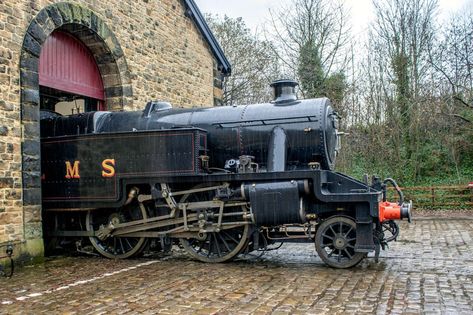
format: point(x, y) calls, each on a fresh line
point(162, 56)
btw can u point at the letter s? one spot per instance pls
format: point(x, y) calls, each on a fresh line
point(108, 168)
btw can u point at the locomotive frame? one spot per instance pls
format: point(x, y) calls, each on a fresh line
point(127, 191)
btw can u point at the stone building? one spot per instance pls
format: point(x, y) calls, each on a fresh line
point(89, 55)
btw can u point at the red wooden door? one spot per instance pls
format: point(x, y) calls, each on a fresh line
point(66, 64)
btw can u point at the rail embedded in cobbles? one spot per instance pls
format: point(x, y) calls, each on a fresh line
point(429, 270)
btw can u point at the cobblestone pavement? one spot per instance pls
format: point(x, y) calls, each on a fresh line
point(429, 270)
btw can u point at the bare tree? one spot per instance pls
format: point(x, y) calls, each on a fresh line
point(402, 36)
point(453, 60)
point(254, 64)
point(309, 38)
point(403, 33)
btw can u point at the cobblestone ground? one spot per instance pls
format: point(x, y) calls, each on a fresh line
point(429, 270)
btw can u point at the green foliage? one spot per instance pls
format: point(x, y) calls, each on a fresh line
point(441, 159)
point(335, 88)
point(313, 79)
point(310, 71)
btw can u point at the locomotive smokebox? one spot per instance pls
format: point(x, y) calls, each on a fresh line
point(284, 91)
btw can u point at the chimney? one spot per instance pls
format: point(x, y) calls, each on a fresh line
point(284, 91)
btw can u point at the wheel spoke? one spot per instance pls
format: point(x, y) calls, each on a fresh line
point(210, 246)
point(326, 244)
point(224, 242)
point(217, 244)
point(346, 252)
point(121, 245)
point(128, 242)
point(231, 237)
point(339, 257)
point(329, 237)
point(346, 234)
point(333, 231)
point(114, 245)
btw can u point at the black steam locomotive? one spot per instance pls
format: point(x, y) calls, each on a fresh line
point(220, 181)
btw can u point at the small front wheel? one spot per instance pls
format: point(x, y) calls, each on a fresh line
point(335, 242)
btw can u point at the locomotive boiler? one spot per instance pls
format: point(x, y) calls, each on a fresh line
point(219, 181)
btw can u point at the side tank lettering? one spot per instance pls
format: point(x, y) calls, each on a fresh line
point(108, 168)
point(72, 171)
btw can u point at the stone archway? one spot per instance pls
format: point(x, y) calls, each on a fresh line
point(95, 34)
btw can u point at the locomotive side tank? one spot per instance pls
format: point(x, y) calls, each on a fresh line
point(220, 180)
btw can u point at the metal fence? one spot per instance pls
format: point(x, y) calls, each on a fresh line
point(435, 197)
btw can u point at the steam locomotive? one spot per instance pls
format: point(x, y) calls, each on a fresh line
point(219, 181)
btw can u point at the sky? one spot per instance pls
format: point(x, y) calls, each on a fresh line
point(256, 12)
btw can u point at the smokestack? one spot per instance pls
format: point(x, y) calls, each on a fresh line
point(284, 91)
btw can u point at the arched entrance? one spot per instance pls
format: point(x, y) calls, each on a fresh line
point(69, 79)
point(94, 34)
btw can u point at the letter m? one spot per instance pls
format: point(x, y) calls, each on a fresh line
point(72, 171)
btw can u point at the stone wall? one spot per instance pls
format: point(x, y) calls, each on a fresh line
point(162, 56)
